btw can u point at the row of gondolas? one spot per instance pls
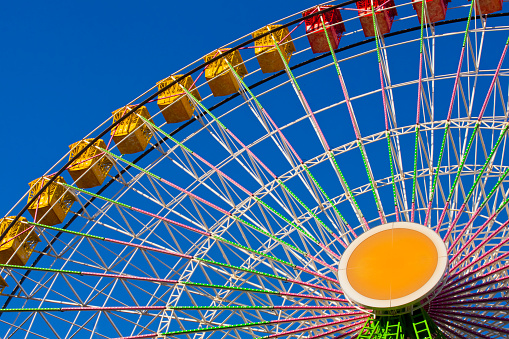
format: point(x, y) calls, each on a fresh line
point(132, 135)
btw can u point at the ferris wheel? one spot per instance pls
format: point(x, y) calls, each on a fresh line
point(340, 173)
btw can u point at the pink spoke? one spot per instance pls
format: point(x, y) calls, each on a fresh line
point(474, 237)
point(17, 235)
point(474, 316)
point(273, 322)
point(445, 328)
point(207, 234)
point(481, 114)
point(310, 328)
point(339, 329)
point(300, 161)
point(326, 248)
point(355, 329)
point(454, 288)
point(469, 302)
point(464, 290)
point(477, 325)
point(476, 294)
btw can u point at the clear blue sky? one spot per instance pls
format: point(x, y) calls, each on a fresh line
point(67, 64)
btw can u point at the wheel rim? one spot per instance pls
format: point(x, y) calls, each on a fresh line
point(281, 158)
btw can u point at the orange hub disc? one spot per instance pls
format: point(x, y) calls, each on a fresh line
point(393, 265)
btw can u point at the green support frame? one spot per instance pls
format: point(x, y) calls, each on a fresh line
point(370, 330)
point(416, 325)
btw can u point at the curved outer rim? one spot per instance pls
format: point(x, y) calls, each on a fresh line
point(213, 107)
point(150, 149)
point(199, 67)
point(153, 96)
point(409, 299)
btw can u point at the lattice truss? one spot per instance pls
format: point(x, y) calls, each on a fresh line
point(232, 224)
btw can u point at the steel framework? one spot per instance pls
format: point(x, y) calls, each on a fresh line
point(233, 224)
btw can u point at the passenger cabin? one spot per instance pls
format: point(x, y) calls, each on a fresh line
point(174, 104)
point(18, 244)
point(315, 28)
point(91, 168)
point(51, 207)
point(266, 51)
point(435, 10)
point(488, 6)
point(384, 14)
point(219, 76)
point(132, 134)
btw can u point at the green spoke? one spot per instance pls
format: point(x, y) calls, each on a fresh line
point(361, 147)
point(486, 163)
point(209, 234)
point(394, 190)
point(331, 154)
point(350, 193)
point(277, 180)
point(436, 171)
point(462, 163)
point(414, 175)
point(216, 328)
point(156, 249)
point(303, 165)
point(307, 234)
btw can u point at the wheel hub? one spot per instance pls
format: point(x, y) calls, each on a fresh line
point(393, 266)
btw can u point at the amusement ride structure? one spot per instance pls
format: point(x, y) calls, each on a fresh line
point(340, 173)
